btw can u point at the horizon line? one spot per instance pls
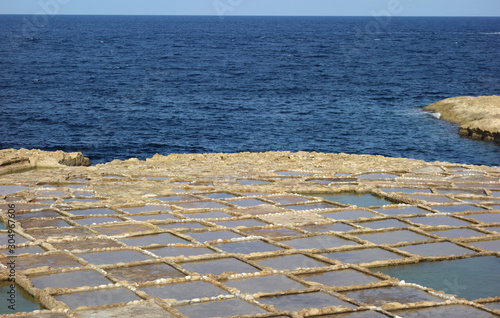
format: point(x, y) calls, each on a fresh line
point(252, 15)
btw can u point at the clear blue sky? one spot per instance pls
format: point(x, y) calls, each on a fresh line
point(256, 7)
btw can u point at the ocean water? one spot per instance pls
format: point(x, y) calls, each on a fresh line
point(115, 87)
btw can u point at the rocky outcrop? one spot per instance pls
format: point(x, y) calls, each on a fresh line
point(478, 117)
point(12, 160)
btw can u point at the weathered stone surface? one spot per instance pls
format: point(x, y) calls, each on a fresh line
point(14, 160)
point(478, 117)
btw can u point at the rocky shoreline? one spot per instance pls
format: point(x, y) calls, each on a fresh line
point(12, 160)
point(478, 117)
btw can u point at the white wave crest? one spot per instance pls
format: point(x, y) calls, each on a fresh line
point(437, 115)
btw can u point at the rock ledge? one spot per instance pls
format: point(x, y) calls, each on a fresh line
point(478, 117)
point(12, 160)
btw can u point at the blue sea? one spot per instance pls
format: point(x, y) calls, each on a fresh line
point(115, 87)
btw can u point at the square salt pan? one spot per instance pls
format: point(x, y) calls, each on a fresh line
point(444, 312)
point(219, 266)
point(393, 237)
point(402, 295)
point(291, 262)
point(143, 273)
point(227, 308)
point(247, 202)
point(363, 256)
point(122, 256)
point(247, 247)
point(485, 217)
point(146, 208)
point(312, 206)
point(438, 220)
point(213, 235)
point(341, 278)
point(300, 301)
point(384, 224)
point(436, 249)
point(180, 251)
point(403, 211)
point(319, 242)
point(322, 228)
point(69, 280)
point(265, 284)
point(349, 215)
point(184, 291)
point(488, 245)
point(98, 297)
point(160, 239)
point(201, 205)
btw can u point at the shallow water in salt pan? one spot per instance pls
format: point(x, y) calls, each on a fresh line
point(144, 273)
point(286, 199)
point(247, 202)
point(322, 228)
point(11, 189)
point(219, 195)
point(122, 256)
point(208, 215)
point(69, 280)
point(436, 249)
point(213, 235)
point(364, 314)
point(185, 291)
point(393, 237)
point(485, 217)
point(456, 233)
point(147, 208)
point(311, 206)
point(217, 267)
point(290, 262)
point(265, 284)
point(438, 220)
point(239, 223)
point(361, 200)
point(160, 239)
point(378, 176)
point(340, 278)
point(152, 217)
point(272, 233)
point(403, 211)
point(94, 221)
point(349, 215)
point(54, 260)
point(201, 205)
point(470, 278)
point(24, 301)
point(320, 241)
point(180, 251)
point(98, 297)
point(247, 247)
point(444, 312)
point(380, 296)
point(488, 245)
point(300, 301)
point(91, 211)
point(383, 224)
point(227, 308)
point(363, 256)
point(252, 182)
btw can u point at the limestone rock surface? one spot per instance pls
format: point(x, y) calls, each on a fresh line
point(478, 117)
point(20, 159)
